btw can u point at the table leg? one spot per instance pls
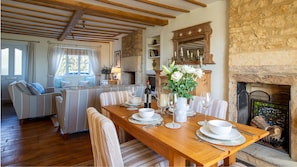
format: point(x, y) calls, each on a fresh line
point(230, 160)
point(176, 160)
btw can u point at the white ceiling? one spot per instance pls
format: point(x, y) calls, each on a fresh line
point(89, 20)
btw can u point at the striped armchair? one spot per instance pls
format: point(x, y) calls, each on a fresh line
point(73, 103)
point(28, 105)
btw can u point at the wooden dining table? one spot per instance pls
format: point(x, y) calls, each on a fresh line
point(179, 145)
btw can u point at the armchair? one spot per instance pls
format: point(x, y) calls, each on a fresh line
point(28, 105)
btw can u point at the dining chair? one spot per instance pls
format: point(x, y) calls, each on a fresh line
point(217, 107)
point(115, 98)
point(107, 151)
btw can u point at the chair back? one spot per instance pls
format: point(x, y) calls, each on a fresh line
point(104, 140)
point(217, 107)
point(113, 98)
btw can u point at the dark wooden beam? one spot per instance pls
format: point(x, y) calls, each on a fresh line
point(71, 24)
point(197, 3)
point(105, 11)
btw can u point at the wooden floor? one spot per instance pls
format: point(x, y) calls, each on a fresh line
point(37, 143)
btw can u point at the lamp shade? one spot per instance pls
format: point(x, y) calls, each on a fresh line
point(115, 70)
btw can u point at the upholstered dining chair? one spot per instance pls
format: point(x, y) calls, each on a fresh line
point(115, 98)
point(108, 152)
point(217, 107)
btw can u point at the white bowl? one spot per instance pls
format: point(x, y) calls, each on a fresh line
point(146, 112)
point(135, 100)
point(219, 127)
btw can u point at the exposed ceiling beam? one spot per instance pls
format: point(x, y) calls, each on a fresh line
point(136, 9)
point(73, 21)
point(105, 11)
point(164, 6)
point(197, 3)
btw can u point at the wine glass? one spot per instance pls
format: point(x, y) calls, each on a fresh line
point(205, 104)
point(132, 91)
point(172, 100)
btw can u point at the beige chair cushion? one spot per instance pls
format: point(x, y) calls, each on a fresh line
point(108, 152)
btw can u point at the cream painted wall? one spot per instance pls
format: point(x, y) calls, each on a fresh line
point(42, 47)
point(216, 13)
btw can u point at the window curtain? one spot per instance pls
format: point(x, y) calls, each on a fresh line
point(31, 71)
point(55, 53)
point(94, 55)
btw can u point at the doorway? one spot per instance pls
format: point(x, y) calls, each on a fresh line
point(13, 66)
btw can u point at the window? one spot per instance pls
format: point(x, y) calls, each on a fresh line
point(74, 62)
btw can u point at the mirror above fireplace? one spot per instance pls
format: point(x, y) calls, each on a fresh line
point(192, 45)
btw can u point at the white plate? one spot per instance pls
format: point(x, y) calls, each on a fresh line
point(234, 134)
point(234, 142)
point(130, 104)
point(190, 112)
point(146, 122)
point(153, 118)
point(132, 108)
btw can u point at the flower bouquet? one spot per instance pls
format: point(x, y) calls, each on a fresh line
point(182, 79)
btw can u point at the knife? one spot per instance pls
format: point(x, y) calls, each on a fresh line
point(243, 131)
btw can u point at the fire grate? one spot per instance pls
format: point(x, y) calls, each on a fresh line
point(275, 116)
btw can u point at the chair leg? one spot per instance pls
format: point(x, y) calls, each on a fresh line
point(21, 121)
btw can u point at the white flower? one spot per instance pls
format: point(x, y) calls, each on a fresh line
point(176, 76)
point(199, 72)
point(182, 78)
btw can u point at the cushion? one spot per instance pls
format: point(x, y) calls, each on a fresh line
point(32, 89)
point(23, 88)
point(65, 84)
point(84, 83)
point(38, 87)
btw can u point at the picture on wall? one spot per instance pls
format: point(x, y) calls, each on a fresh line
point(117, 58)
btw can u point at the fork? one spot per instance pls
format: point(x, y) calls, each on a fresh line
point(153, 125)
point(214, 146)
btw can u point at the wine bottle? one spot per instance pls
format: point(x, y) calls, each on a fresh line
point(147, 95)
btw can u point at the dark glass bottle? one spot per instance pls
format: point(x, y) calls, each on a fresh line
point(147, 95)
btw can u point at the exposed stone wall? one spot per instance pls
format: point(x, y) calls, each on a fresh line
point(131, 59)
point(263, 48)
point(267, 28)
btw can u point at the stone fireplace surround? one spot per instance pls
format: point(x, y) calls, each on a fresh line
point(285, 75)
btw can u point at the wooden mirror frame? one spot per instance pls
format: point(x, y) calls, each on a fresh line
point(199, 34)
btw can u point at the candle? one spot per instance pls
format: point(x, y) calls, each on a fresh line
point(188, 53)
point(175, 54)
point(163, 100)
point(181, 52)
point(197, 52)
point(200, 61)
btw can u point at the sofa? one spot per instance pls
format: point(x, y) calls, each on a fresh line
point(72, 105)
point(31, 100)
